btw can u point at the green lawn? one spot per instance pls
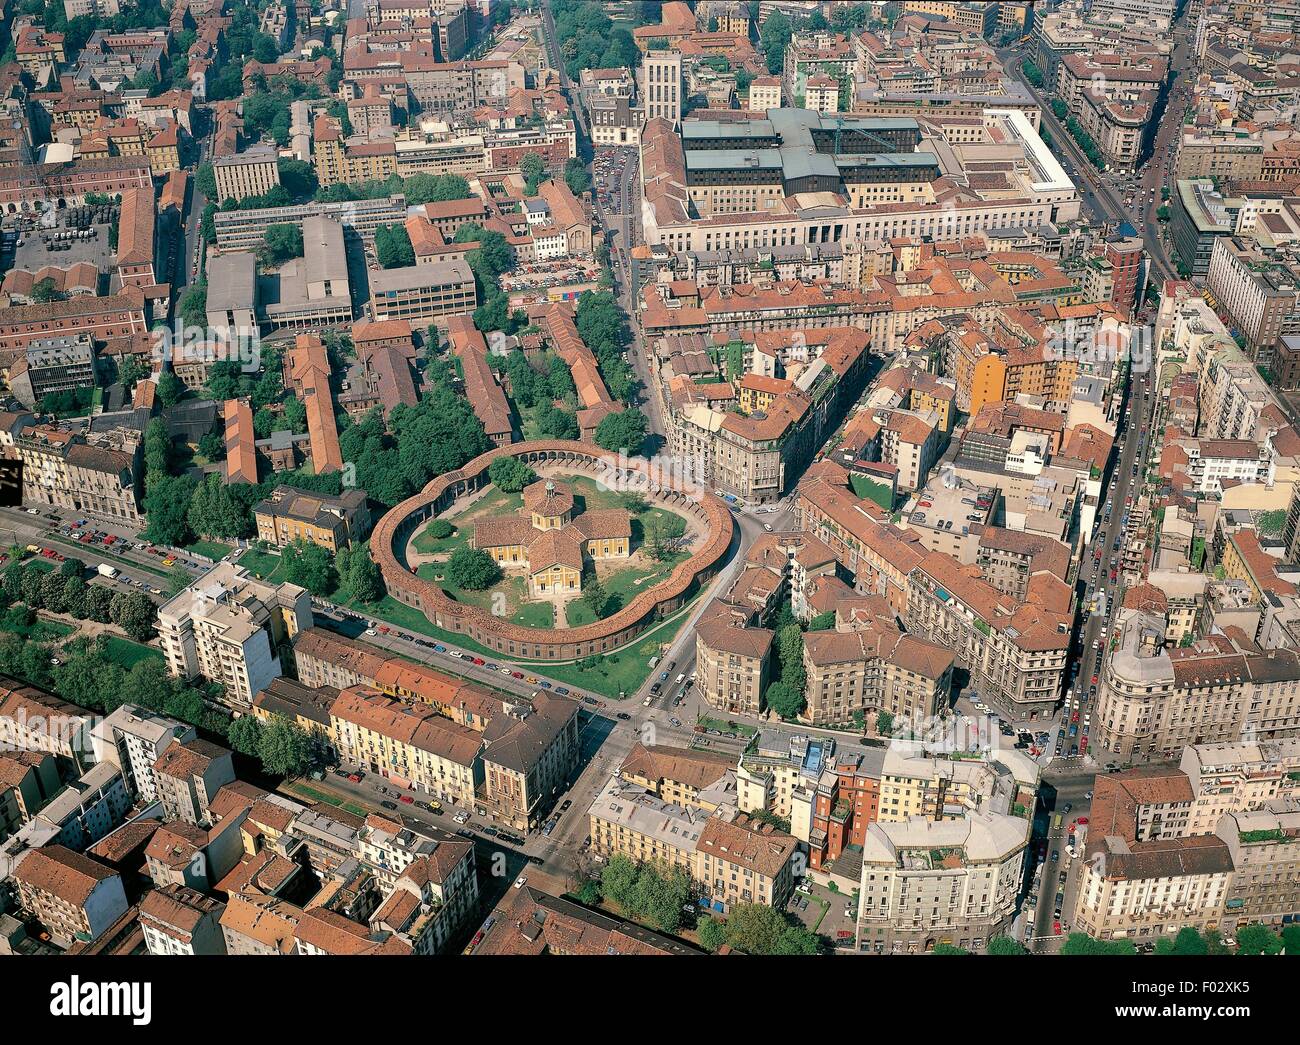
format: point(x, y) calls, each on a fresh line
point(127, 653)
point(39, 630)
point(312, 794)
point(623, 670)
point(214, 550)
point(429, 545)
point(868, 490)
point(516, 607)
point(260, 564)
point(494, 502)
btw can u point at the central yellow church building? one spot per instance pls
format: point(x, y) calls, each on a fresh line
point(547, 540)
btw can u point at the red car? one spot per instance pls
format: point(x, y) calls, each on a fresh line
point(407, 799)
point(1056, 928)
point(479, 661)
point(1074, 717)
point(383, 629)
point(1094, 680)
point(1083, 821)
point(354, 778)
point(516, 674)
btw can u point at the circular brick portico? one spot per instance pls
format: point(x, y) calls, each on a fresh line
point(710, 514)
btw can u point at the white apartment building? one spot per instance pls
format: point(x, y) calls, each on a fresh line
point(927, 882)
point(229, 627)
point(133, 739)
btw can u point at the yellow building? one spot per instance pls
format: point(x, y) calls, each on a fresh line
point(547, 540)
point(406, 743)
point(290, 514)
point(682, 776)
point(164, 150)
point(338, 161)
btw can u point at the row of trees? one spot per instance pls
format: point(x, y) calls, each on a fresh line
point(418, 189)
point(283, 747)
point(759, 929)
point(785, 694)
point(600, 325)
point(65, 591)
point(650, 893)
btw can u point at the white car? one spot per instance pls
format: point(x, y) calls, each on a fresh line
point(370, 631)
point(521, 881)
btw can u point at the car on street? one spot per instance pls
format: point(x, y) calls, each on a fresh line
point(521, 881)
point(388, 805)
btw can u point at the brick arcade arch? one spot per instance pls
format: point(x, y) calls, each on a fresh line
point(388, 548)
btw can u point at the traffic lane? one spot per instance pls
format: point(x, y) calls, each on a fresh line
point(135, 577)
point(126, 542)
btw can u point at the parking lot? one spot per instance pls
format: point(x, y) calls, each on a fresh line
point(62, 242)
point(826, 912)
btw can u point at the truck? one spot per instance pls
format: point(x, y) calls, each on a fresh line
point(105, 570)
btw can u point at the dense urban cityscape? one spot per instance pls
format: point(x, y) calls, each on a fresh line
point(769, 477)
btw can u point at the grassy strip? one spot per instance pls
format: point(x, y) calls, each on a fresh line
point(127, 653)
point(329, 798)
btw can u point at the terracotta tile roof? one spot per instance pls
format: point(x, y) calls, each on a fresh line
point(57, 870)
point(241, 454)
point(332, 933)
point(135, 237)
point(696, 769)
point(747, 844)
point(481, 388)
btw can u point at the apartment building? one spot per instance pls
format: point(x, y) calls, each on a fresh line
point(76, 898)
point(188, 775)
point(232, 629)
point(179, 920)
point(732, 662)
point(1015, 650)
point(532, 749)
point(926, 882)
point(1260, 291)
point(1146, 890)
point(1264, 845)
point(28, 779)
point(409, 744)
point(1009, 558)
point(1154, 700)
point(64, 469)
point(1237, 777)
point(860, 671)
point(733, 858)
point(428, 879)
point(133, 739)
point(34, 720)
point(253, 172)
